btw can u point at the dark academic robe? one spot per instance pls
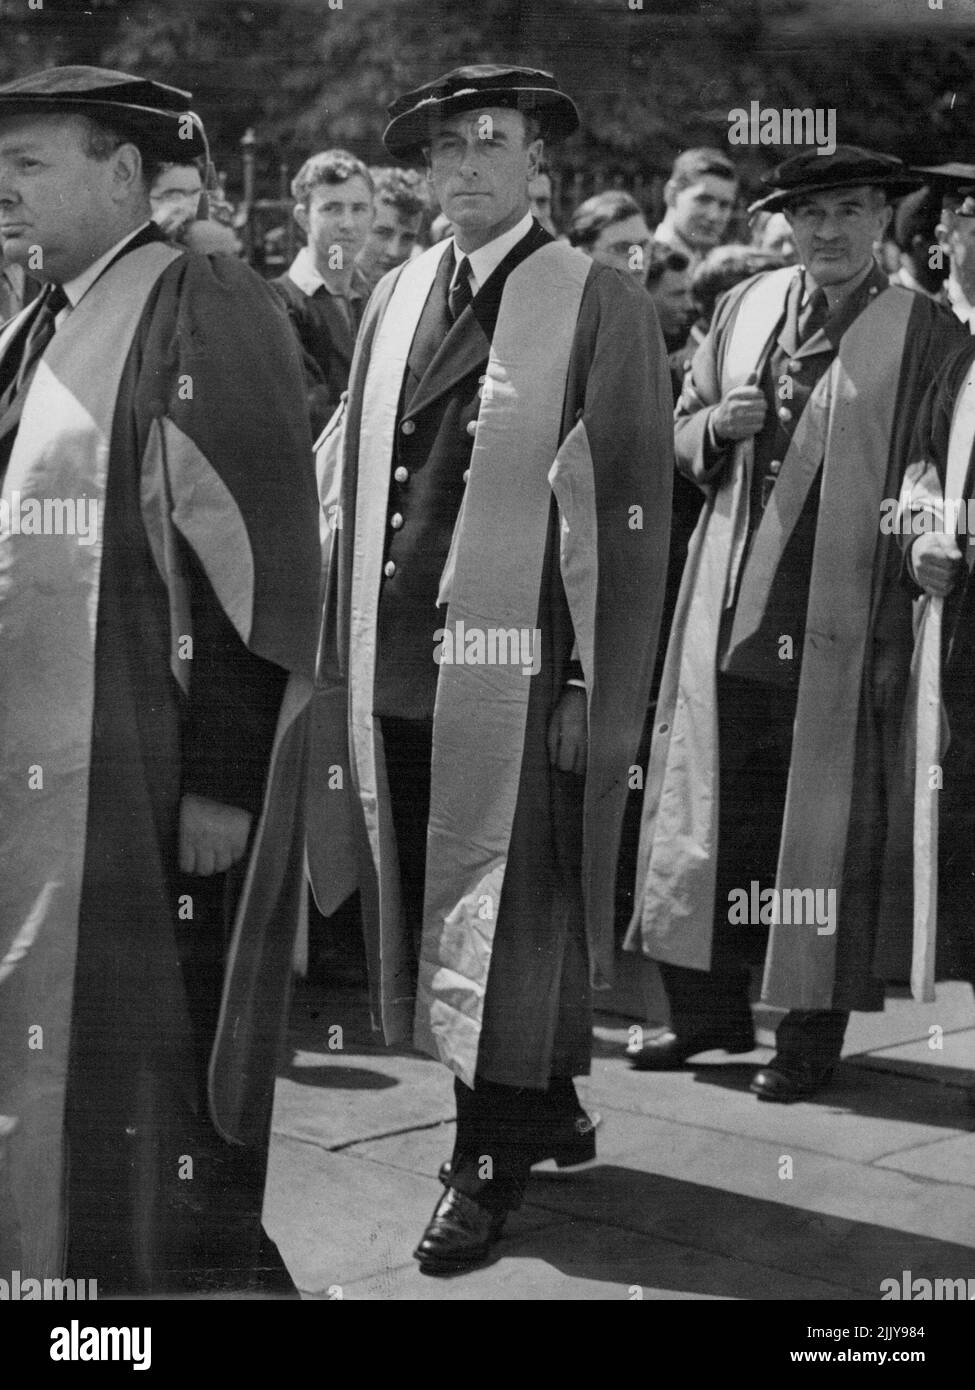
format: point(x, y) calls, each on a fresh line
point(168, 658)
point(491, 484)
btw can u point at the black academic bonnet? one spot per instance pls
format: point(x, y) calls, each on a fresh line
point(156, 116)
point(528, 90)
point(849, 166)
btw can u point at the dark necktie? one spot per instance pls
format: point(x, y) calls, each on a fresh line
point(50, 302)
point(435, 323)
point(813, 316)
point(461, 293)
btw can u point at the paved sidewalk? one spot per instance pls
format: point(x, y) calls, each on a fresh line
point(701, 1191)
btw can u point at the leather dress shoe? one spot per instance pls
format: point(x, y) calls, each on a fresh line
point(667, 1049)
point(788, 1079)
point(459, 1235)
point(571, 1145)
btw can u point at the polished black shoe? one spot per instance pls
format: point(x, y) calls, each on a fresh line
point(570, 1145)
point(667, 1049)
point(787, 1079)
point(459, 1235)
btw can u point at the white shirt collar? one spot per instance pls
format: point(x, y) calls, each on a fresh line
point(959, 301)
point(486, 259)
point(77, 288)
point(303, 273)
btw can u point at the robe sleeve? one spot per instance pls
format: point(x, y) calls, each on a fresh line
point(625, 405)
point(225, 395)
point(700, 457)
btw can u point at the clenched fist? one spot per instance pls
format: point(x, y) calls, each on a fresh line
point(212, 835)
point(937, 561)
point(741, 412)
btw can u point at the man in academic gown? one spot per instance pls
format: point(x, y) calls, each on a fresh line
point(507, 441)
point(158, 587)
point(773, 756)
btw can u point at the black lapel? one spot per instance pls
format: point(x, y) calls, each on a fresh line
point(468, 342)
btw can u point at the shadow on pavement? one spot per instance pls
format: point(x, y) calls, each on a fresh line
point(669, 1230)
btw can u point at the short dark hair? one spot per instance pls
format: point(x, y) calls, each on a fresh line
point(328, 166)
point(913, 231)
point(725, 267)
point(916, 217)
point(663, 258)
point(693, 165)
point(102, 138)
point(598, 212)
point(403, 189)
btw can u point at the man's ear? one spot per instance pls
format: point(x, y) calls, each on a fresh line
point(535, 151)
point(126, 171)
point(300, 213)
point(886, 213)
point(669, 193)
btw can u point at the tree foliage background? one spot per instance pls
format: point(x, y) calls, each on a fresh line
point(650, 76)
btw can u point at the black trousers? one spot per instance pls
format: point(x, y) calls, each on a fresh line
point(755, 725)
point(499, 1128)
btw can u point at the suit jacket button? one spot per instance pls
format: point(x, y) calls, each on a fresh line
point(389, 568)
point(408, 427)
point(472, 428)
point(402, 475)
point(467, 474)
point(396, 520)
point(794, 365)
point(784, 414)
point(775, 465)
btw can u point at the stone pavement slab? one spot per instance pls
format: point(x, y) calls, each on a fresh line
point(889, 1112)
point(341, 1086)
point(951, 1160)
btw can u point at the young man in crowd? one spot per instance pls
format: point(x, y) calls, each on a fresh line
point(323, 289)
point(399, 205)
